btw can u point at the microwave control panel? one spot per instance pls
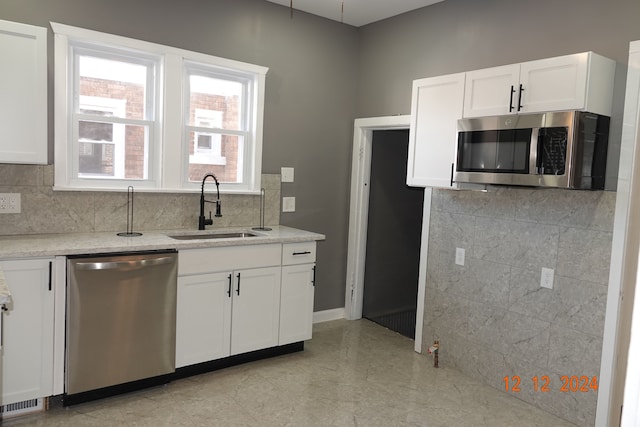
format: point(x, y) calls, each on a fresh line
point(552, 150)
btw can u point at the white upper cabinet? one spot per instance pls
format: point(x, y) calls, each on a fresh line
point(582, 81)
point(436, 106)
point(492, 91)
point(23, 85)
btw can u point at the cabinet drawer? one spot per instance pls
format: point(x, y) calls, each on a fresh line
point(210, 260)
point(298, 253)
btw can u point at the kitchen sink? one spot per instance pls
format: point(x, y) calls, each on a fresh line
point(232, 235)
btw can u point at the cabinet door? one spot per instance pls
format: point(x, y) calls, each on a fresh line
point(23, 85)
point(492, 91)
point(296, 303)
point(436, 106)
point(27, 351)
point(203, 318)
point(554, 84)
point(256, 309)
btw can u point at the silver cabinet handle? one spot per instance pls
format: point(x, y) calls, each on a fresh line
point(132, 264)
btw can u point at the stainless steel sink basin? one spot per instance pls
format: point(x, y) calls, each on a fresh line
point(232, 235)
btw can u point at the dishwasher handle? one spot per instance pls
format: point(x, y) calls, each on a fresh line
point(129, 265)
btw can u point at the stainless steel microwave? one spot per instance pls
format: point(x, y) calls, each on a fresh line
point(566, 149)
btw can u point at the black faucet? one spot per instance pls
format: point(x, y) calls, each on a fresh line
point(202, 221)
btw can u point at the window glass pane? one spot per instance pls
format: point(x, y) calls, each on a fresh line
point(122, 82)
point(95, 131)
point(224, 159)
point(215, 103)
point(96, 159)
point(112, 150)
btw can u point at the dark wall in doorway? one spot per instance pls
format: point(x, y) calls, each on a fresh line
point(394, 226)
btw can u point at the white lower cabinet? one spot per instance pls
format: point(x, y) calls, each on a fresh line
point(228, 302)
point(256, 309)
point(297, 294)
point(296, 308)
point(26, 358)
point(203, 318)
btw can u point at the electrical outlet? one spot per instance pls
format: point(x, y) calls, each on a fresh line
point(546, 279)
point(459, 256)
point(286, 174)
point(9, 202)
point(288, 204)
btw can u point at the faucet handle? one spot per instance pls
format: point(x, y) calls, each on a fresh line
point(208, 221)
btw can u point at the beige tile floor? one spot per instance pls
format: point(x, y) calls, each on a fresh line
point(353, 373)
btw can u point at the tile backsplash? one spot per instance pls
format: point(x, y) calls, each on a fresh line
point(48, 211)
point(492, 317)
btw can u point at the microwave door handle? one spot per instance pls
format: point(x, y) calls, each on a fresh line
point(533, 152)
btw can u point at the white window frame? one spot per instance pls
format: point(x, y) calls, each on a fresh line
point(168, 158)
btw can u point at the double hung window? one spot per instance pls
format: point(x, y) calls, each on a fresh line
point(158, 118)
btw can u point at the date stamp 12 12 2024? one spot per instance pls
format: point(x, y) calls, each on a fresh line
point(543, 384)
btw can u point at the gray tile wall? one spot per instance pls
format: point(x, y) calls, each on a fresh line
point(492, 317)
point(48, 211)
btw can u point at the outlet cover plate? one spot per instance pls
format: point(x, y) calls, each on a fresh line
point(288, 204)
point(10, 203)
point(459, 256)
point(546, 278)
point(286, 174)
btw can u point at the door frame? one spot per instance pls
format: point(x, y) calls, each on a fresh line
point(358, 218)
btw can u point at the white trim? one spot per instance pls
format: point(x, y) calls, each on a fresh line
point(328, 315)
point(631, 407)
point(358, 219)
point(59, 309)
point(624, 251)
point(422, 274)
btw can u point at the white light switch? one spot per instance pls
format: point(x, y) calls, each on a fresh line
point(546, 279)
point(459, 256)
point(286, 174)
point(288, 204)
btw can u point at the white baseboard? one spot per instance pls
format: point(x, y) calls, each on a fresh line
point(328, 315)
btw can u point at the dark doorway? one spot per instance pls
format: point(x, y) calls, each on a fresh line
point(393, 236)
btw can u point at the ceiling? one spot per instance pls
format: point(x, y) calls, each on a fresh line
point(355, 12)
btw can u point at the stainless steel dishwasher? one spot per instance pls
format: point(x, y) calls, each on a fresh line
point(121, 323)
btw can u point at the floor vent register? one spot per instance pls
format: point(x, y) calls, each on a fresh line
point(21, 408)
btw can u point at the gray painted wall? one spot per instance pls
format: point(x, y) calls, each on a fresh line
point(462, 35)
point(310, 94)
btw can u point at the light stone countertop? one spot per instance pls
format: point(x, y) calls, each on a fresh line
point(46, 245)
